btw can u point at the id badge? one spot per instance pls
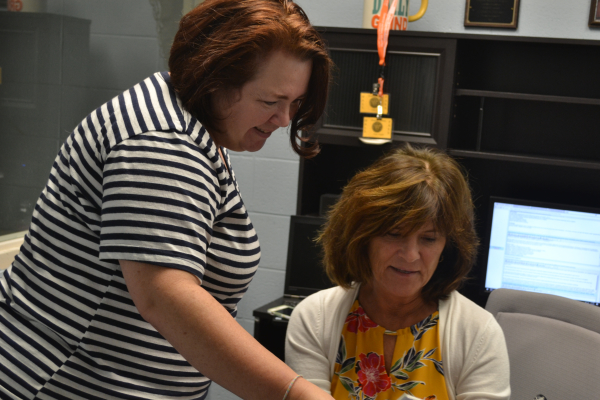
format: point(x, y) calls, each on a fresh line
point(377, 128)
point(369, 103)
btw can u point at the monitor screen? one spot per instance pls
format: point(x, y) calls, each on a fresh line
point(544, 248)
point(305, 274)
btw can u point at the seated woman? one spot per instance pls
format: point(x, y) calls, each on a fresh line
point(399, 243)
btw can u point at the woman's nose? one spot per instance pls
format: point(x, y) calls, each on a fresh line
point(283, 117)
point(409, 251)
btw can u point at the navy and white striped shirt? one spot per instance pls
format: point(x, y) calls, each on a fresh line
point(139, 179)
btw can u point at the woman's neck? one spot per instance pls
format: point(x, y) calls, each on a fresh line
point(222, 158)
point(394, 313)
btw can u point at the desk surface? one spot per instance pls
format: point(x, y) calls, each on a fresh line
point(262, 312)
point(270, 330)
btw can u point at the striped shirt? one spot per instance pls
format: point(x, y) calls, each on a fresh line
point(138, 179)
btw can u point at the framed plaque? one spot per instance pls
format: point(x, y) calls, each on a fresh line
point(595, 14)
point(493, 13)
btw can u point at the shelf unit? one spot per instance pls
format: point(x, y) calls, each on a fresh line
point(525, 96)
point(526, 123)
point(520, 114)
point(525, 159)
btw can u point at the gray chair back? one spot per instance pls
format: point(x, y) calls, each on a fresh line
point(553, 344)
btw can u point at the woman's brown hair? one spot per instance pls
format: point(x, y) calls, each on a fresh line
point(221, 43)
point(402, 191)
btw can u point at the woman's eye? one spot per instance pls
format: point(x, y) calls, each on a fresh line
point(430, 239)
point(270, 103)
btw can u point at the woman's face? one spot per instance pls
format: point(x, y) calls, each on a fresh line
point(262, 105)
point(402, 265)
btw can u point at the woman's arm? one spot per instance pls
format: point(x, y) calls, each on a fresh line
point(486, 371)
point(206, 335)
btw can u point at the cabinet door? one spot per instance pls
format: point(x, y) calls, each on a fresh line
point(418, 78)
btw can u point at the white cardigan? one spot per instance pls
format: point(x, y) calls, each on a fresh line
point(473, 348)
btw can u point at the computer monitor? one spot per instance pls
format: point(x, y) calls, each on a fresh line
point(544, 247)
point(304, 274)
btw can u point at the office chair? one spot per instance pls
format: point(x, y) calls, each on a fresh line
point(553, 344)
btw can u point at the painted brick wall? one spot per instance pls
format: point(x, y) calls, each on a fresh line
point(123, 49)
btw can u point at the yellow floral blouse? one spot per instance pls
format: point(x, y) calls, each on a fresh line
point(417, 369)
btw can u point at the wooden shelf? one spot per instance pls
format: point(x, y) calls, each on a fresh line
point(350, 137)
point(525, 159)
point(524, 96)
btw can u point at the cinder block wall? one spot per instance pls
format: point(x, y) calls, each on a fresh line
point(123, 49)
point(268, 182)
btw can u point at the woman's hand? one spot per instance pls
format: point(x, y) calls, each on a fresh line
point(206, 335)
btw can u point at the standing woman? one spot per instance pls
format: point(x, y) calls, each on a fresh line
point(140, 245)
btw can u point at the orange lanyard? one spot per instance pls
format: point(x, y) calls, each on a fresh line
point(383, 33)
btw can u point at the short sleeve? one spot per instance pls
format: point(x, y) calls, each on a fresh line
point(159, 202)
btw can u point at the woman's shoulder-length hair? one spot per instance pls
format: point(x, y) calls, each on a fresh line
point(403, 190)
point(220, 45)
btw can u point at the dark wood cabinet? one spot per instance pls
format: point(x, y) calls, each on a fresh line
point(521, 115)
point(537, 98)
point(418, 76)
point(526, 124)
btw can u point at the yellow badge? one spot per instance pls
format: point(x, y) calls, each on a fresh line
point(377, 128)
point(369, 103)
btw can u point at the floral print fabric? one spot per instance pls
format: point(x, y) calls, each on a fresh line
point(416, 366)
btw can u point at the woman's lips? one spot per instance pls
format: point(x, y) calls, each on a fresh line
point(403, 271)
point(263, 133)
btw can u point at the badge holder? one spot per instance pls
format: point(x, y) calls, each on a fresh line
point(378, 130)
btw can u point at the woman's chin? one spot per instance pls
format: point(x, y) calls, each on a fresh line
point(397, 293)
point(254, 146)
